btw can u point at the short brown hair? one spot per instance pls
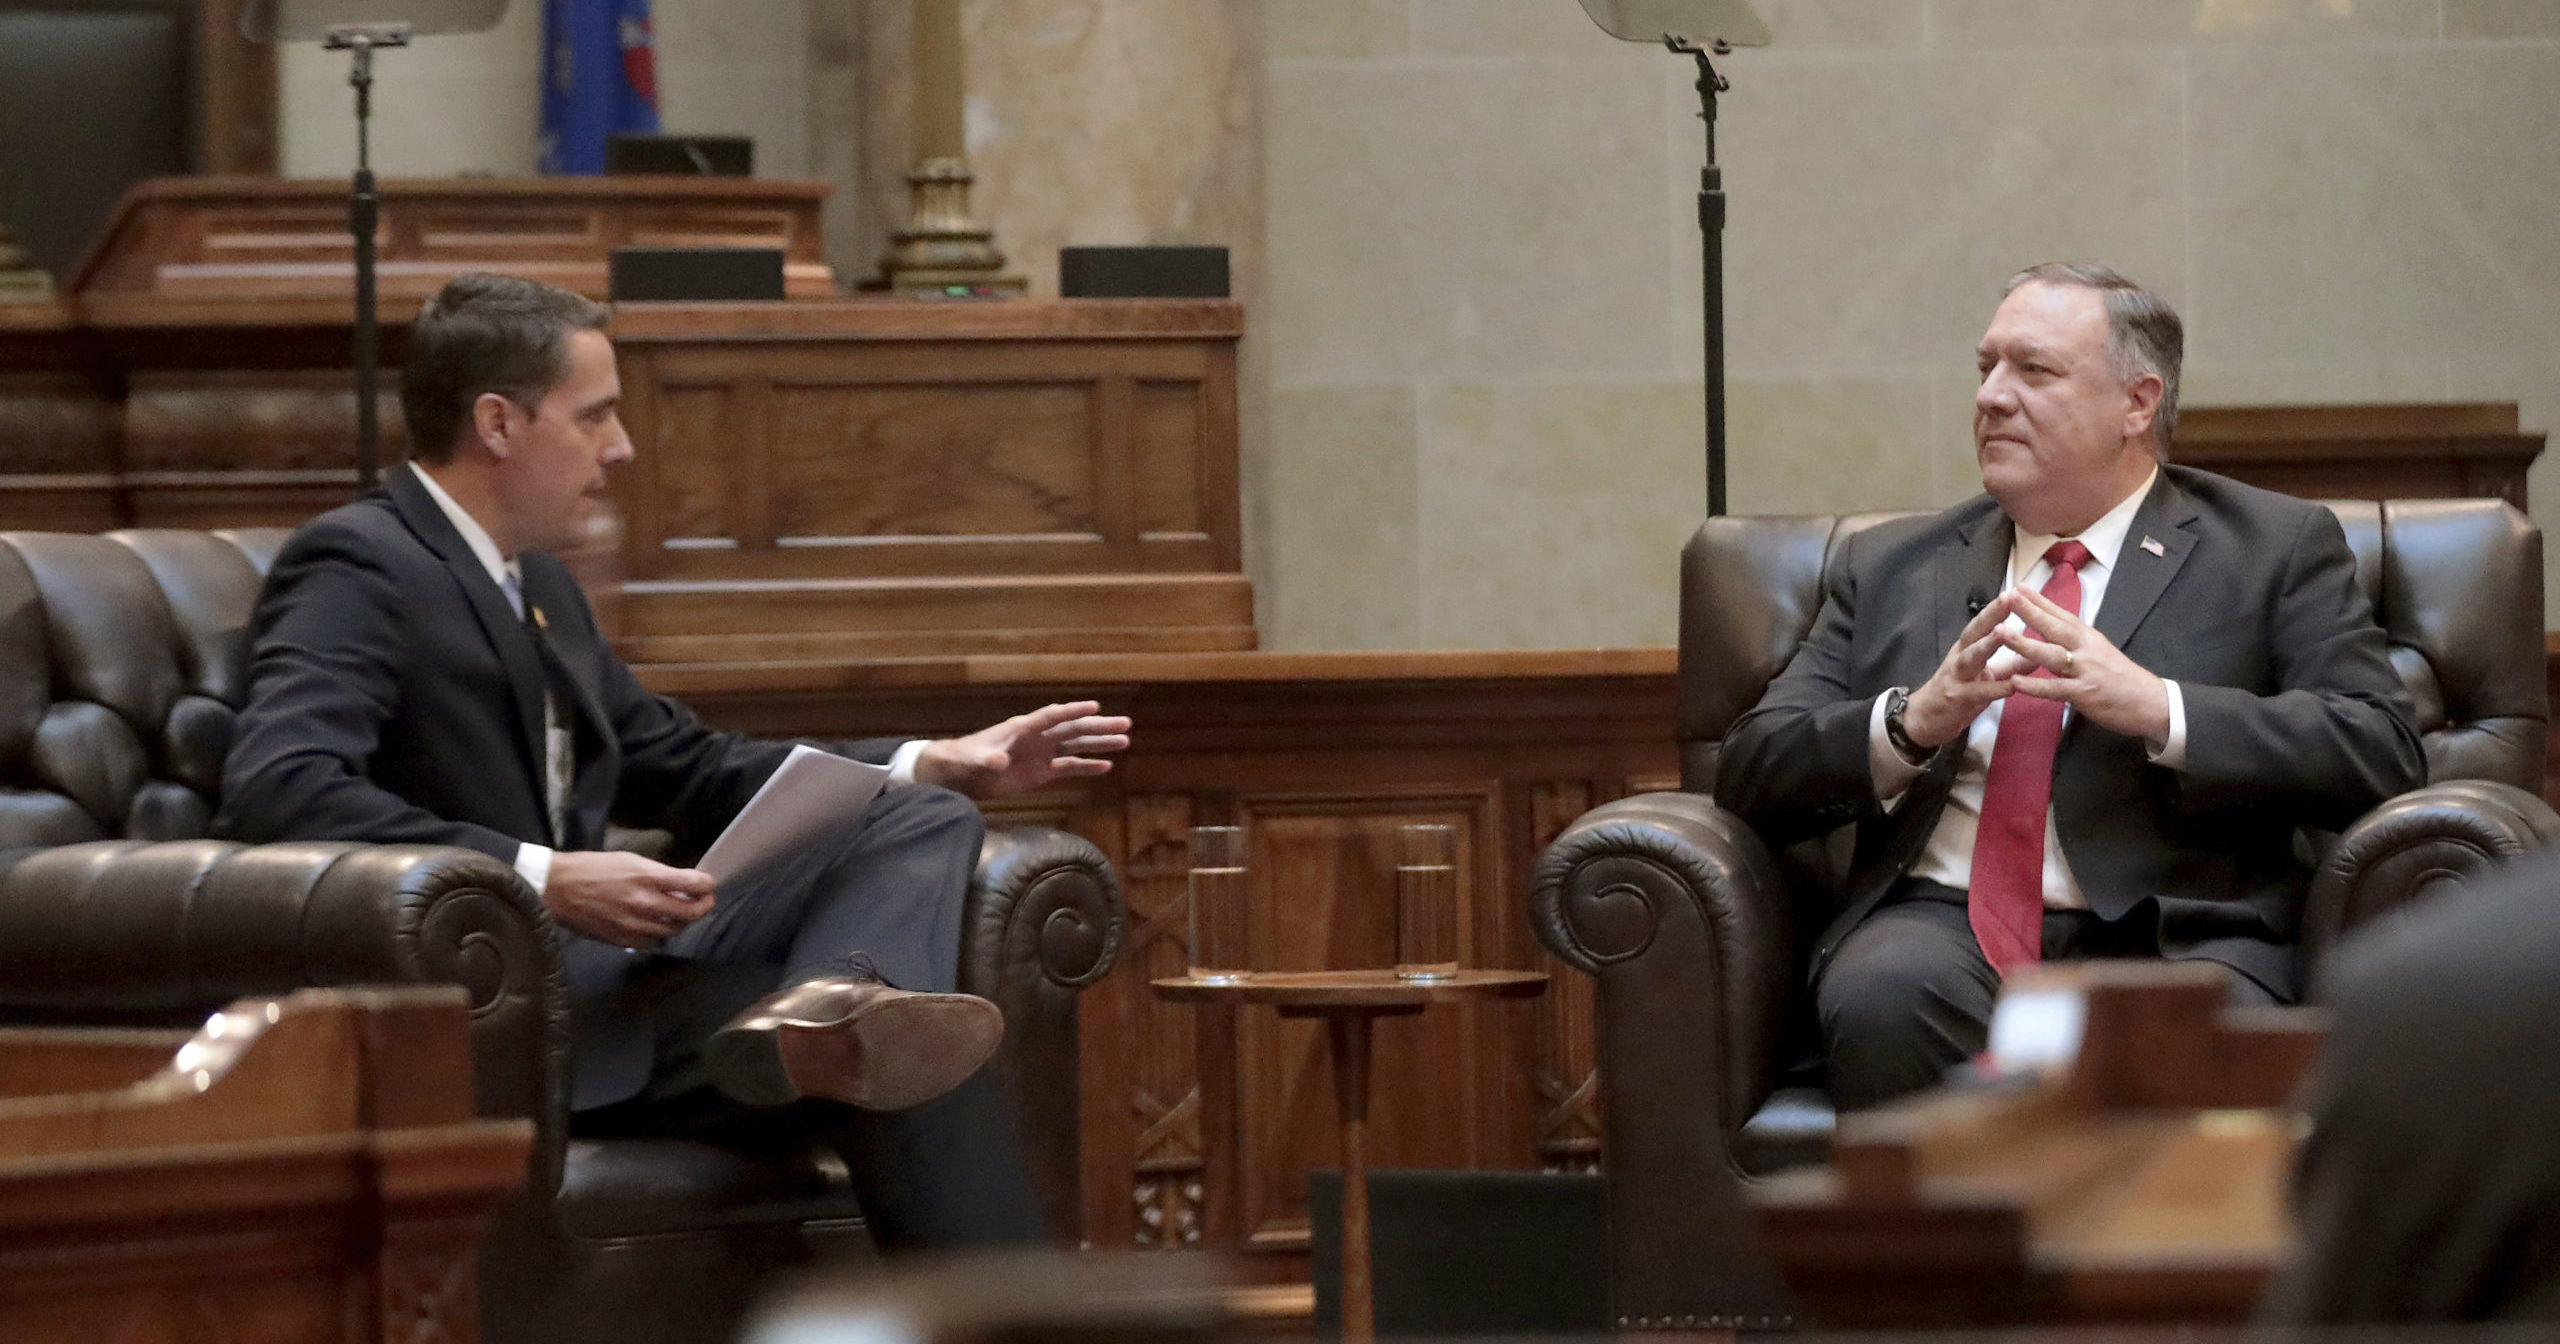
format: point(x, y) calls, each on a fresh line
point(2144, 334)
point(486, 333)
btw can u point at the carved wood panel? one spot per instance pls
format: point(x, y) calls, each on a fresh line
point(1567, 1068)
point(992, 459)
point(1323, 896)
point(890, 479)
point(1200, 1125)
point(1166, 1153)
point(856, 457)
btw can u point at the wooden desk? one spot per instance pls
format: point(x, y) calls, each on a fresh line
point(305, 1169)
point(212, 251)
point(2144, 1185)
point(815, 479)
point(1321, 757)
point(195, 370)
point(888, 478)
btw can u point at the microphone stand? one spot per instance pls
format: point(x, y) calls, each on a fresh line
point(1711, 236)
point(364, 211)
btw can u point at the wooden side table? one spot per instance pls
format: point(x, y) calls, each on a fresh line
point(1349, 1002)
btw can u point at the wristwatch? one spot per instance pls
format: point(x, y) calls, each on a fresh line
point(1912, 753)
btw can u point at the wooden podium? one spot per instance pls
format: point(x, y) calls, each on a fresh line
point(816, 478)
point(897, 478)
point(265, 252)
point(194, 371)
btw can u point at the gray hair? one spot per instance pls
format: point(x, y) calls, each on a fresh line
point(2144, 334)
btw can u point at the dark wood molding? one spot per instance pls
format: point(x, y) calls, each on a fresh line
point(2396, 451)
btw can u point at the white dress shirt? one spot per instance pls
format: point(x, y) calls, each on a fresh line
point(1948, 858)
point(533, 862)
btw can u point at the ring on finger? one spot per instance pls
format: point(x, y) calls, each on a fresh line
point(2067, 660)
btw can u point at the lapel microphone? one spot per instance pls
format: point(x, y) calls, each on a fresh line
point(1975, 601)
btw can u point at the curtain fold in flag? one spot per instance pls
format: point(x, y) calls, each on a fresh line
point(599, 75)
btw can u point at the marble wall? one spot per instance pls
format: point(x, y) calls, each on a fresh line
point(1483, 308)
point(1466, 231)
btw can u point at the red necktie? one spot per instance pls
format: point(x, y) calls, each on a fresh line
point(2006, 900)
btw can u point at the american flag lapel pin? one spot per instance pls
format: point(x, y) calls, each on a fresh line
point(545, 622)
point(2150, 544)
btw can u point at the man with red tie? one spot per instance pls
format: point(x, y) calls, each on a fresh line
point(2080, 715)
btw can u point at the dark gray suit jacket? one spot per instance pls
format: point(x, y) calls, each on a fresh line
point(2429, 1190)
point(395, 698)
point(2294, 716)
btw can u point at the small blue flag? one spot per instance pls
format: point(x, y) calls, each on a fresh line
point(599, 75)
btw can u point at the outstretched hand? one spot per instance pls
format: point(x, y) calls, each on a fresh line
point(1026, 752)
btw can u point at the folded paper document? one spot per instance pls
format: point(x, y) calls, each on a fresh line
point(812, 793)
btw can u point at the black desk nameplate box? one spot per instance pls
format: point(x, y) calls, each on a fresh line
point(696, 274)
point(1142, 272)
point(680, 155)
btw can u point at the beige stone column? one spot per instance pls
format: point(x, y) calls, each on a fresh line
point(942, 248)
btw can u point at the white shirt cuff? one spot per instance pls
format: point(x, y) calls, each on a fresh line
point(2173, 753)
point(902, 766)
point(1885, 766)
point(533, 864)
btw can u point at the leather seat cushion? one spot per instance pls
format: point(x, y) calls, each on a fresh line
point(1792, 1129)
point(646, 1187)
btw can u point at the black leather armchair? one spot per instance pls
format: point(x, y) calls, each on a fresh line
point(122, 662)
point(1695, 930)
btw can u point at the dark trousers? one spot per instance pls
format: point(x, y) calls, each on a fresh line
point(1908, 994)
point(885, 893)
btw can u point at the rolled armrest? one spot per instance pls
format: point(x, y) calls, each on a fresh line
point(127, 930)
point(2414, 845)
point(1043, 925)
point(1681, 915)
point(1666, 896)
point(1045, 915)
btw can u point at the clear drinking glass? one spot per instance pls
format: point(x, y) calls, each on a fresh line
point(1426, 902)
point(1217, 903)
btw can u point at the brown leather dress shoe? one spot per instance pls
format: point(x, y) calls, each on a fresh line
point(852, 1040)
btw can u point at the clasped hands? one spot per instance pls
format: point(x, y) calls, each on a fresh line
point(2090, 673)
point(631, 901)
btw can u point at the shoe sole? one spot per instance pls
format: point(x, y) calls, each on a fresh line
point(885, 1056)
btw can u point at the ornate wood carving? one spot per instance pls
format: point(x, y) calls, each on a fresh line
point(431, 1285)
point(1568, 1066)
point(1162, 1093)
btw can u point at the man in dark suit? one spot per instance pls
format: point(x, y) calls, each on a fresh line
point(2079, 715)
point(423, 671)
point(2429, 1190)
